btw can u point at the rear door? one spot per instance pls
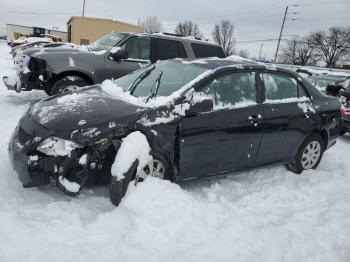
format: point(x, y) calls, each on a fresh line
point(227, 138)
point(140, 52)
point(169, 49)
point(288, 116)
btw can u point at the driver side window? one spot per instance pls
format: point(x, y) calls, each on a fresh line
point(138, 48)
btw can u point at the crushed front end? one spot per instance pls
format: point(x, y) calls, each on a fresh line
point(31, 74)
point(41, 159)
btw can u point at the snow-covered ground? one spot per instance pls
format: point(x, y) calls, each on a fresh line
point(266, 215)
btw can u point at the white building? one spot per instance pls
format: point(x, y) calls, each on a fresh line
point(11, 29)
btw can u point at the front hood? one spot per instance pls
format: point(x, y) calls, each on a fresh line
point(91, 112)
point(49, 51)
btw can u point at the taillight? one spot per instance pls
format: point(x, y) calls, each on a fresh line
point(342, 111)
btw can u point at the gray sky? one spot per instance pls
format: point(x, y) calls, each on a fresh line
point(253, 19)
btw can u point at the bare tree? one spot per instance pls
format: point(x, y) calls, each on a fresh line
point(151, 24)
point(223, 35)
point(188, 28)
point(299, 52)
point(243, 53)
point(333, 45)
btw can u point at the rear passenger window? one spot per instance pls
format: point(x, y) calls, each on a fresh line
point(231, 90)
point(279, 87)
point(207, 51)
point(168, 49)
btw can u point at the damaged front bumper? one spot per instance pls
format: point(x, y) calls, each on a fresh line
point(20, 161)
point(36, 169)
point(31, 74)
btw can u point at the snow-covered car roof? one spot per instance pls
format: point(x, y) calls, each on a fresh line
point(233, 61)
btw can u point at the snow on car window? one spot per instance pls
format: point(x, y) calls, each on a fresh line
point(270, 83)
point(280, 87)
point(231, 90)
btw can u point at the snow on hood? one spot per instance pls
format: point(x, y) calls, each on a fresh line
point(89, 113)
point(72, 103)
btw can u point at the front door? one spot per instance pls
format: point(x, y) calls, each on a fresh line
point(227, 138)
point(288, 116)
point(139, 50)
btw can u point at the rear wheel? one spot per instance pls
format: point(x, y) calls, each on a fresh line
point(309, 154)
point(67, 83)
point(158, 167)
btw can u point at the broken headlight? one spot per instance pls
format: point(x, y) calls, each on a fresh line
point(54, 146)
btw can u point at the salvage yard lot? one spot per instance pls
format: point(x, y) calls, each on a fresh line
point(266, 215)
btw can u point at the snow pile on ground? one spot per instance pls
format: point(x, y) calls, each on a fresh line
point(68, 185)
point(269, 214)
point(134, 147)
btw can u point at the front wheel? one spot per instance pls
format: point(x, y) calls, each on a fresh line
point(309, 154)
point(67, 83)
point(157, 167)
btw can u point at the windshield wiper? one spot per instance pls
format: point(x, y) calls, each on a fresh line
point(140, 78)
point(156, 87)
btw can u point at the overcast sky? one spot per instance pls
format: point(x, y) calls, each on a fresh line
point(253, 19)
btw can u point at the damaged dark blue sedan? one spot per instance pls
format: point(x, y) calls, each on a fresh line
point(174, 120)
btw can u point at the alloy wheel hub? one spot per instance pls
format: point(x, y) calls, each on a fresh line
point(154, 168)
point(311, 155)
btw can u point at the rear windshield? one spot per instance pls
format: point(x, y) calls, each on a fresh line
point(207, 51)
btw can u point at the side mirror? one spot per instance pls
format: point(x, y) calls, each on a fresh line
point(118, 55)
point(202, 106)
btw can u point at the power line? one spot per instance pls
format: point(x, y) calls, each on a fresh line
point(324, 3)
point(253, 11)
point(224, 15)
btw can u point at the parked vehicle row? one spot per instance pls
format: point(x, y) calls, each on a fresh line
point(337, 86)
point(113, 56)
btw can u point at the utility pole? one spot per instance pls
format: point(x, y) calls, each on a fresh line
point(279, 39)
point(261, 46)
point(294, 47)
point(83, 9)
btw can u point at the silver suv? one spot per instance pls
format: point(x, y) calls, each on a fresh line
point(113, 56)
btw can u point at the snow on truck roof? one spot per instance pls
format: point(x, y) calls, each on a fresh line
point(178, 37)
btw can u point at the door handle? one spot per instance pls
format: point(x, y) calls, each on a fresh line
point(255, 119)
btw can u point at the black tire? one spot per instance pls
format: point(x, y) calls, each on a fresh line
point(59, 85)
point(296, 164)
point(118, 188)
